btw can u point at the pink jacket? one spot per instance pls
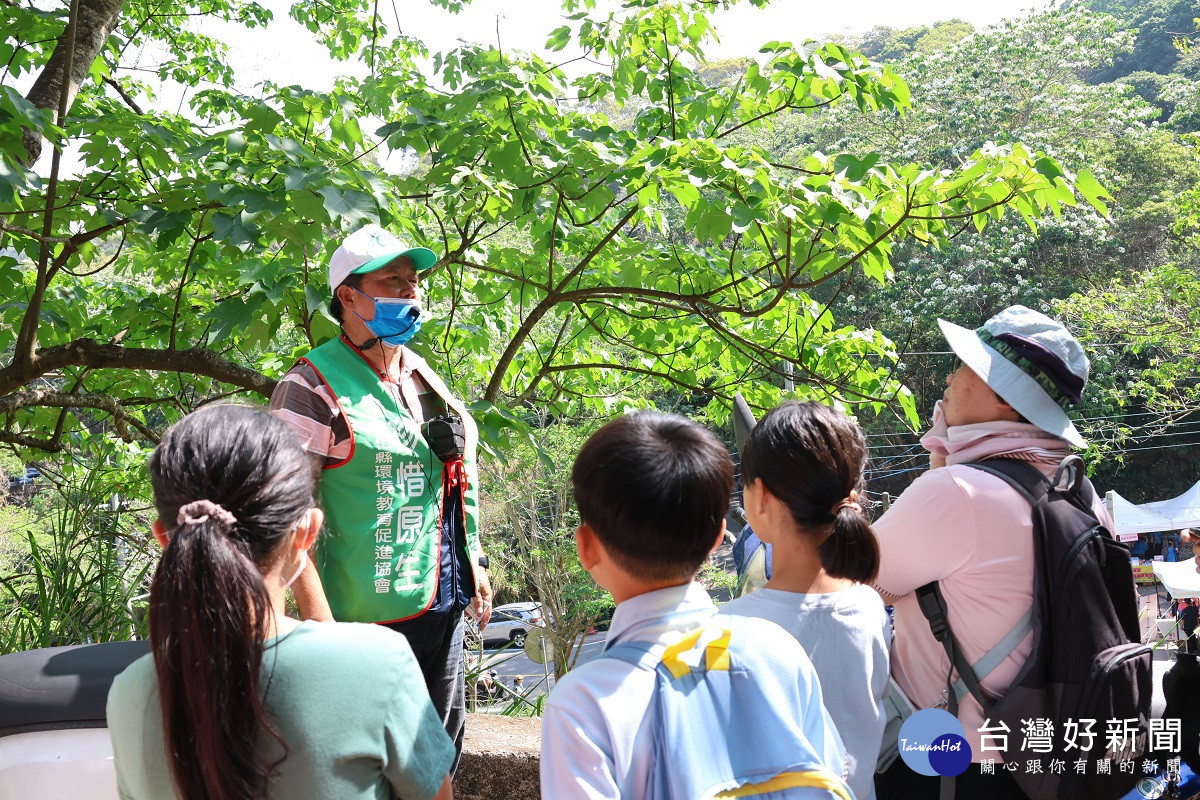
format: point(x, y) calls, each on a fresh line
point(973, 533)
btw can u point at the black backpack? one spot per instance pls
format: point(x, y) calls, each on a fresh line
point(1087, 660)
point(1181, 689)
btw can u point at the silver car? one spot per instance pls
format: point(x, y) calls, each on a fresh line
point(511, 622)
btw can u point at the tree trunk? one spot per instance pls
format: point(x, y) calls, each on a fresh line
point(96, 21)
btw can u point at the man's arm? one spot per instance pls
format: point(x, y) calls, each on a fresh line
point(481, 603)
point(304, 409)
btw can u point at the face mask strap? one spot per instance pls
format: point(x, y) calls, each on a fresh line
point(373, 305)
point(299, 570)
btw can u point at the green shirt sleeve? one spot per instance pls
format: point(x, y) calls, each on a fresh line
point(418, 752)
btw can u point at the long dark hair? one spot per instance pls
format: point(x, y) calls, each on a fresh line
point(811, 457)
point(230, 483)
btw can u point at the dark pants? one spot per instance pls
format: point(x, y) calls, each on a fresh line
point(901, 783)
point(436, 640)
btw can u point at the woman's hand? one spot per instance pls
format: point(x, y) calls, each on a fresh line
point(935, 438)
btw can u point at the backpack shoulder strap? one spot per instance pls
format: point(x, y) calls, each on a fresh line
point(1026, 479)
point(933, 606)
point(668, 660)
point(802, 779)
point(644, 655)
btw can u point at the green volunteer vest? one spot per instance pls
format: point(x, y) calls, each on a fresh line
point(378, 557)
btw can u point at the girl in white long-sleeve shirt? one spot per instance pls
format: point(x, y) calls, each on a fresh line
point(802, 469)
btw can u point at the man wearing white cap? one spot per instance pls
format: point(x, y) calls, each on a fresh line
point(396, 452)
point(969, 530)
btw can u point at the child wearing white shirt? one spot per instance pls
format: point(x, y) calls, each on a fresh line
point(802, 470)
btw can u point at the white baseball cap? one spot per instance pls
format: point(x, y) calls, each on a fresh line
point(369, 248)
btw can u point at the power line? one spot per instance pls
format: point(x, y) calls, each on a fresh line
point(1158, 447)
point(1158, 414)
point(901, 472)
point(897, 456)
point(1133, 438)
point(1086, 347)
point(922, 456)
point(1121, 451)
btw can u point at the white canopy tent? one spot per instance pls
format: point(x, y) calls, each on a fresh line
point(1162, 515)
point(1180, 578)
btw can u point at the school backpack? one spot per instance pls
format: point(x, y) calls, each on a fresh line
point(1087, 661)
point(720, 725)
point(752, 560)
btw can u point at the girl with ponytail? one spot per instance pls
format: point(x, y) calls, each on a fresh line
point(238, 701)
point(802, 474)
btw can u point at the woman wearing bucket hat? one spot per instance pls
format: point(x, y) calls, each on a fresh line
point(969, 530)
point(1032, 364)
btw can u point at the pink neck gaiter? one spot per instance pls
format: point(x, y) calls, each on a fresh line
point(997, 439)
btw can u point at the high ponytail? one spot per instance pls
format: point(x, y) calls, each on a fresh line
point(812, 458)
point(230, 483)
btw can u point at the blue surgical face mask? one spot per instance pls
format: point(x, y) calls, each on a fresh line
point(397, 319)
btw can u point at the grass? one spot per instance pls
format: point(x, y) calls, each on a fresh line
point(76, 577)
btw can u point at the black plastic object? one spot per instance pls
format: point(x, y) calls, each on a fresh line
point(61, 687)
point(1181, 686)
point(446, 435)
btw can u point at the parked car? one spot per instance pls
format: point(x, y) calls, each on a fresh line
point(27, 479)
point(53, 735)
point(511, 622)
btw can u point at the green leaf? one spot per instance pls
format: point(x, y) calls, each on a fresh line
point(237, 230)
point(234, 314)
point(559, 38)
point(1048, 167)
point(853, 167)
point(349, 204)
point(314, 301)
point(1087, 185)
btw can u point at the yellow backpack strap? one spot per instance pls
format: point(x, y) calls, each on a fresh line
point(806, 779)
point(716, 652)
point(671, 656)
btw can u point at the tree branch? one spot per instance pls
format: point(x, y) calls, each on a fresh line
point(46, 398)
point(129, 101)
point(550, 301)
point(32, 442)
point(90, 353)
